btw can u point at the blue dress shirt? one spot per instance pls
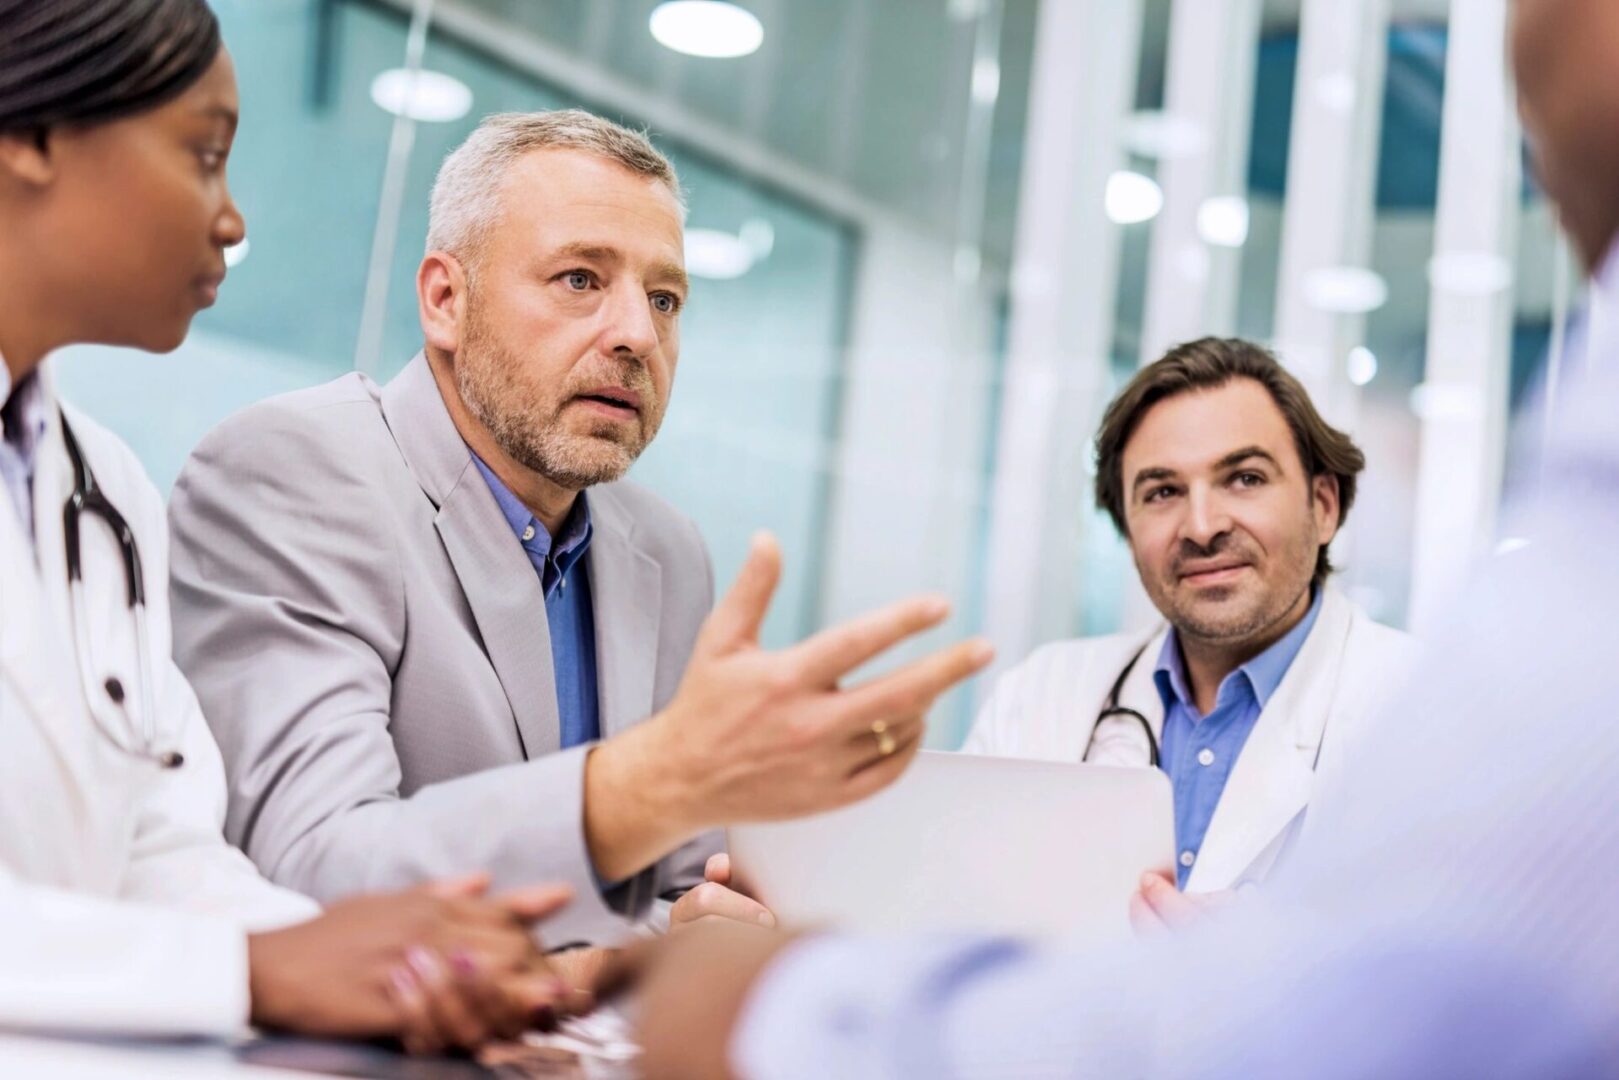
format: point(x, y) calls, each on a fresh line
point(566, 584)
point(1199, 751)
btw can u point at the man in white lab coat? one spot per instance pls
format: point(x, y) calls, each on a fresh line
point(1229, 487)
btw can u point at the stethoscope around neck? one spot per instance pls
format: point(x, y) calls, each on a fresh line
point(88, 498)
point(1111, 709)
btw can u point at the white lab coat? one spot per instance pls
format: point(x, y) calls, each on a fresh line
point(122, 909)
point(1047, 707)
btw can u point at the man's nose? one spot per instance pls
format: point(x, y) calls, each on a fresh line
point(629, 325)
point(1206, 518)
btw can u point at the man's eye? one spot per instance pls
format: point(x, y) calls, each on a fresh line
point(1159, 493)
point(1248, 479)
point(665, 303)
point(577, 279)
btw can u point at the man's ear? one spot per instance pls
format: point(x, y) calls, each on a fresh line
point(25, 157)
point(1325, 503)
point(441, 300)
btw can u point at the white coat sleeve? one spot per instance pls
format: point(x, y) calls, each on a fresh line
point(179, 856)
point(72, 962)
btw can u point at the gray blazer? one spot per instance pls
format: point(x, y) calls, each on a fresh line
point(369, 643)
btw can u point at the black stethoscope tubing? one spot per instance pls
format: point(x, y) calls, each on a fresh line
point(1111, 708)
point(87, 497)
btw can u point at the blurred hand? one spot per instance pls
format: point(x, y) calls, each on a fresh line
point(1159, 907)
point(440, 967)
point(715, 899)
point(752, 735)
point(691, 988)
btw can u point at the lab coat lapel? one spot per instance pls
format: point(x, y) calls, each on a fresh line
point(1270, 785)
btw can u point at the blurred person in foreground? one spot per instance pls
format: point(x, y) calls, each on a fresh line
point(122, 908)
point(1459, 917)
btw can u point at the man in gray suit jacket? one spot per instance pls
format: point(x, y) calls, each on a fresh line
point(425, 650)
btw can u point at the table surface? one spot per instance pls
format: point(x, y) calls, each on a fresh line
point(266, 1059)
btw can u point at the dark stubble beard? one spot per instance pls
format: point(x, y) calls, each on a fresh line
point(532, 432)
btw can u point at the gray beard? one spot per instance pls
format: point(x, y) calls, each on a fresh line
point(535, 441)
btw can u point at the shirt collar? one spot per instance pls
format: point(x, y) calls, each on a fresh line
point(531, 532)
point(1263, 674)
point(22, 412)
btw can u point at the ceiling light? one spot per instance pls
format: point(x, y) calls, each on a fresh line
point(1362, 365)
point(1133, 198)
point(1447, 401)
point(1337, 93)
point(235, 254)
point(427, 96)
point(1345, 290)
point(1469, 273)
point(760, 236)
point(1223, 221)
point(708, 28)
point(986, 80)
point(716, 254)
point(1152, 133)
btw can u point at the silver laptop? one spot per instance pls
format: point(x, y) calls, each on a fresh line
point(1029, 848)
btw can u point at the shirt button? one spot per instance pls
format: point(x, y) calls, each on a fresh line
point(528, 534)
point(1205, 756)
point(1187, 858)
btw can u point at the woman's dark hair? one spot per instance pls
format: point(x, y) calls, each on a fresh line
point(88, 61)
point(1204, 365)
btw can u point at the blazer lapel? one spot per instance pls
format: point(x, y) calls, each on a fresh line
point(1269, 787)
point(496, 577)
point(625, 591)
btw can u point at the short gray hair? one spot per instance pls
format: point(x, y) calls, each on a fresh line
point(466, 194)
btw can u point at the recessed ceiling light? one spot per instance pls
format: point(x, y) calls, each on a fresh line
point(708, 28)
point(986, 80)
point(426, 96)
point(1447, 401)
point(1362, 365)
point(1153, 133)
point(1469, 273)
point(236, 253)
point(1223, 221)
point(716, 254)
point(760, 237)
point(1345, 290)
point(1337, 92)
point(1132, 198)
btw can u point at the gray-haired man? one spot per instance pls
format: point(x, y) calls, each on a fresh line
point(423, 648)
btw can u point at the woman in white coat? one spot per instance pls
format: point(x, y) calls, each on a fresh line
point(122, 909)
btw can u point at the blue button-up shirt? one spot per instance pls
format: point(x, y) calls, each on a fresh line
point(565, 581)
point(1199, 751)
point(22, 426)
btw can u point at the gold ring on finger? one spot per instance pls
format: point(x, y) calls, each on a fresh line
point(885, 741)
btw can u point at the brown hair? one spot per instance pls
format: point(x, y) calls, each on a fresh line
point(1206, 364)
